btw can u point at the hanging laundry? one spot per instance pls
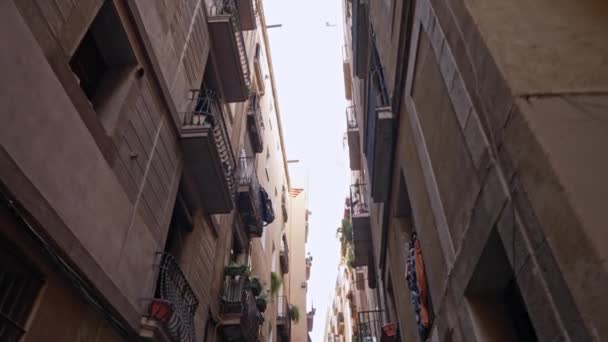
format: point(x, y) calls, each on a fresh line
point(416, 281)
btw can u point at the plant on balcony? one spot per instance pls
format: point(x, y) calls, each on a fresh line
point(350, 260)
point(262, 302)
point(275, 283)
point(255, 286)
point(294, 313)
point(345, 234)
point(234, 269)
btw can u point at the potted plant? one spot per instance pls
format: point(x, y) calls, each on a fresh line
point(294, 313)
point(255, 286)
point(262, 302)
point(275, 283)
point(234, 269)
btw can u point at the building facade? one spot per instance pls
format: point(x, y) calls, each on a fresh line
point(474, 129)
point(300, 264)
point(143, 172)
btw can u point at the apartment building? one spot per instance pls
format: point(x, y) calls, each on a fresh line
point(300, 266)
point(476, 130)
point(142, 171)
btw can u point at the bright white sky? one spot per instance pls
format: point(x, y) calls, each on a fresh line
point(307, 60)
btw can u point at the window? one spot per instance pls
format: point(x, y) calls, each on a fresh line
point(498, 309)
point(104, 64)
point(267, 176)
point(19, 286)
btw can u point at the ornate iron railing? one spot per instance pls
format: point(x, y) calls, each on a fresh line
point(232, 296)
point(255, 109)
point(206, 112)
point(237, 299)
point(229, 8)
point(173, 288)
point(283, 314)
point(351, 117)
point(370, 325)
point(358, 200)
point(247, 177)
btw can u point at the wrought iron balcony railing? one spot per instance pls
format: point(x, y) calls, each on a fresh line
point(284, 255)
point(370, 325)
point(255, 123)
point(207, 114)
point(242, 318)
point(175, 303)
point(283, 314)
point(358, 200)
point(351, 118)
point(252, 202)
point(229, 8)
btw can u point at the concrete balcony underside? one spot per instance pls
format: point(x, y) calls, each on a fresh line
point(228, 58)
point(246, 11)
point(348, 80)
point(354, 148)
point(380, 147)
point(360, 38)
point(203, 164)
point(362, 239)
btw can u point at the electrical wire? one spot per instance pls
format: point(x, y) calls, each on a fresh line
point(68, 271)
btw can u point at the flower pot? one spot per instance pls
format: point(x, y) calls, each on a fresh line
point(261, 303)
point(161, 310)
point(255, 286)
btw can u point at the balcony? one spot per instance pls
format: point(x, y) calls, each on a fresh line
point(380, 136)
point(354, 141)
point(284, 255)
point(254, 204)
point(308, 267)
point(208, 157)
point(359, 214)
point(360, 37)
point(372, 327)
point(255, 124)
point(246, 12)
point(284, 204)
point(310, 317)
point(241, 319)
point(170, 316)
point(228, 45)
point(340, 323)
point(283, 318)
point(257, 68)
point(348, 75)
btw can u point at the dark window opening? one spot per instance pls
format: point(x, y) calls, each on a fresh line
point(403, 207)
point(89, 65)
point(181, 225)
point(20, 283)
point(516, 307)
point(104, 64)
point(495, 300)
